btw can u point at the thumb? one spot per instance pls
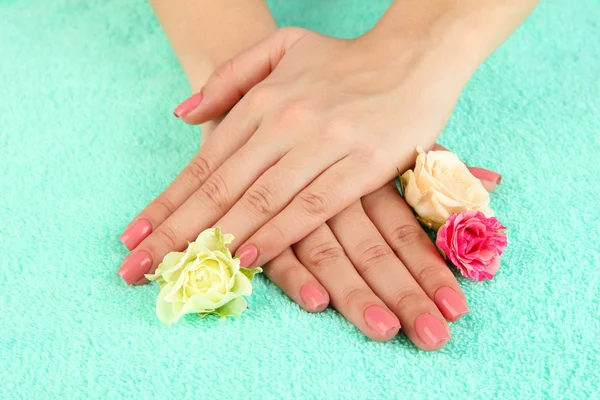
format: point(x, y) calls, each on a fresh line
point(236, 76)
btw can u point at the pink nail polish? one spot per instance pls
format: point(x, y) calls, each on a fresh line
point(313, 297)
point(450, 304)
point(188, 105)
point(135, 233)
point(248, 255)
point(381, 321)
point(431, 331)
point(486, 174)
point(135, 266)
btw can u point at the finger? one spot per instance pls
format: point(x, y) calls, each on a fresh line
point(203, 208)
point(235, 77)
point(334, 190)
point(232, 134)
point(387, 276)
point(297, 282)
point(402, 232)
point(488, 178)
point(275, 188)
point(323, 256)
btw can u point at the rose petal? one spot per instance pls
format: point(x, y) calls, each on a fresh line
point(233, 309)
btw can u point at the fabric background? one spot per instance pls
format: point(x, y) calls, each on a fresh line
point(87, 139)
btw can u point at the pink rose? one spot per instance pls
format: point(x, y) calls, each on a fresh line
point(473, 243)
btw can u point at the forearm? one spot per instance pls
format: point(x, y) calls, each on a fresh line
point(204, 33)
point(467, 31)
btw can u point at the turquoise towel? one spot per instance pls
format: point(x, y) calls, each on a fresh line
point(87, 139)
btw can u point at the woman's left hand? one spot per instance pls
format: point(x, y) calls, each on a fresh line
point(319, 123)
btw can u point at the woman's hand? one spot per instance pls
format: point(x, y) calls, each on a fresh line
point(379, 269)
point(332, 122)
point(372, 261)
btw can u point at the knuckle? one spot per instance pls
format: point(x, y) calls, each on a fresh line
point(404, 235)
point(325, 254)
point(374, 254)
point(225, 71)
point(288, 273)
point(167, 236)
point(213, 192)
point(277, 234)
point(314, 204)
point(407, 298)
point(369, 155)
point(259, 200)
point(293, 113)
point(336, 128)
point(167, 205)
point(431, 273)
point(259, 96)
point(198, 171)
point(352, 295)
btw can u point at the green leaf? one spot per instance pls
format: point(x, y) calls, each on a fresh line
point(234, 308)
point(399, 184)
point(250, 272)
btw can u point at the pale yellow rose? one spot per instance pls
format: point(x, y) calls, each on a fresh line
point(205, 279)
point(441, 185)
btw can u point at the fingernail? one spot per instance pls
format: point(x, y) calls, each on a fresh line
point(450, 304)
point(248, 255)
point(485, 174)
point(188, 105)
point(135, 266)
point(135, 233)
point(312, 297)
point(381, 321)
point(431, 331)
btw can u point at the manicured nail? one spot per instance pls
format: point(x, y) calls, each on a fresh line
point(135, 266)
point(188, 105)
point(450, 304)
point(248, 256)
point(381, 321)
point(431, 331)
point(135, 233)
point(312, 297)
point(486, 174)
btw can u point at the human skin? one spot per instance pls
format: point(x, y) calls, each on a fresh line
point(372, 260)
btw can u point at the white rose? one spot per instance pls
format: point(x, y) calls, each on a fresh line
point(441, 185)
point(205, 279)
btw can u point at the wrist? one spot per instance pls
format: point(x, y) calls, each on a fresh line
point(458, 36)
point(442, 47)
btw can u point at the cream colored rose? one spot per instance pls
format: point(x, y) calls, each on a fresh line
point(205, 279)
point(441, 185)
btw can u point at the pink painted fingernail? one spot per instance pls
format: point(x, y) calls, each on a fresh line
point(135, 233)
point(486, 174)
point(248, 256)
point(489, 179)
point(450, 304)
point(313, 297)
point(431, 331)
point(135, 266)
point(188, 105)
point(381, 321)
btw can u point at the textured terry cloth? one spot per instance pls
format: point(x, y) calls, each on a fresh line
point(87, 139)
